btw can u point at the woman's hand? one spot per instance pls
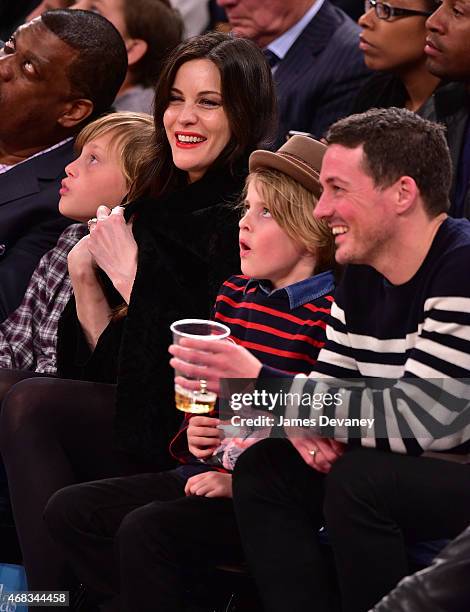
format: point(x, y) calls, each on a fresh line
point(209, 484)
point(211, 360)
point(92, 307)
point(113, 247)
point(203, 436)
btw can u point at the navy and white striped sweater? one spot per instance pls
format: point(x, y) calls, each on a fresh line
point(418, 335)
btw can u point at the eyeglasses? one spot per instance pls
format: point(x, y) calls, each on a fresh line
point(386, 11)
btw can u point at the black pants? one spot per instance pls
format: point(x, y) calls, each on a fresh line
point(373, 504)
point(54, 433)
point(135, 535)
point(9, 378)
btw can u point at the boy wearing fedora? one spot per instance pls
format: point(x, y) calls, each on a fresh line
point(277, 309)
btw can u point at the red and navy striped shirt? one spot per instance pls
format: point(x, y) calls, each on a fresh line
point(283, 328)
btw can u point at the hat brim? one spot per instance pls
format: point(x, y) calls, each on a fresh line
point(309, 178)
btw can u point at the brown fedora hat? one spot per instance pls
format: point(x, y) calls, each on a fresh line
point(300, 158)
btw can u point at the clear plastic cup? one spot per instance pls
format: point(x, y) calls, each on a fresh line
point(201, 401)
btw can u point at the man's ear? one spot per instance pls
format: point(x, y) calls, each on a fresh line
point(136, 49)
point(407, 193)
point(75, 112)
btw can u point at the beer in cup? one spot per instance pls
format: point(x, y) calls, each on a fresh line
point(201, 401)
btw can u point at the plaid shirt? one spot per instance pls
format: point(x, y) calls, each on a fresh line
point(28, 338)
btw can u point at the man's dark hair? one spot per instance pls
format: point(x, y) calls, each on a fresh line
point(397, 142)
point(100, 65)
point(160, 26)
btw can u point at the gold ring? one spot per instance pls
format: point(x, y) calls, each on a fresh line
point(313, 452)
point(91, 222)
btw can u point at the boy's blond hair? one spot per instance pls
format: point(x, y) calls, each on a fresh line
point(291, 206)
point(132, 134)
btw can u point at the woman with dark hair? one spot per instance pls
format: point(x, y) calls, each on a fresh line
point(215, 104)
point(393, 38)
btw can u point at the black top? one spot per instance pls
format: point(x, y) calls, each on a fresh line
point(382, 90)
point(449, 105)
point(188, 245)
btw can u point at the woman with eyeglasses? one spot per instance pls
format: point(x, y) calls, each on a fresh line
point(392, 40)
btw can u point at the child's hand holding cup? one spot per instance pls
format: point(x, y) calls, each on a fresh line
point(200, 401)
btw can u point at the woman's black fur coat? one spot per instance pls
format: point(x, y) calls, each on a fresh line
point(188, 245)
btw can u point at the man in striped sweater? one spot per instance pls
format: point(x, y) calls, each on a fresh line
point(401, 313)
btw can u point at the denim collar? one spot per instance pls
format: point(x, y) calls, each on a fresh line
point(299, 293)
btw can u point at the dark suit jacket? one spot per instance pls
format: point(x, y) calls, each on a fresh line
point(319, 77)
point(30, 222)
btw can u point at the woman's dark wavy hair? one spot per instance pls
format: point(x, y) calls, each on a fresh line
point(248, 99)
